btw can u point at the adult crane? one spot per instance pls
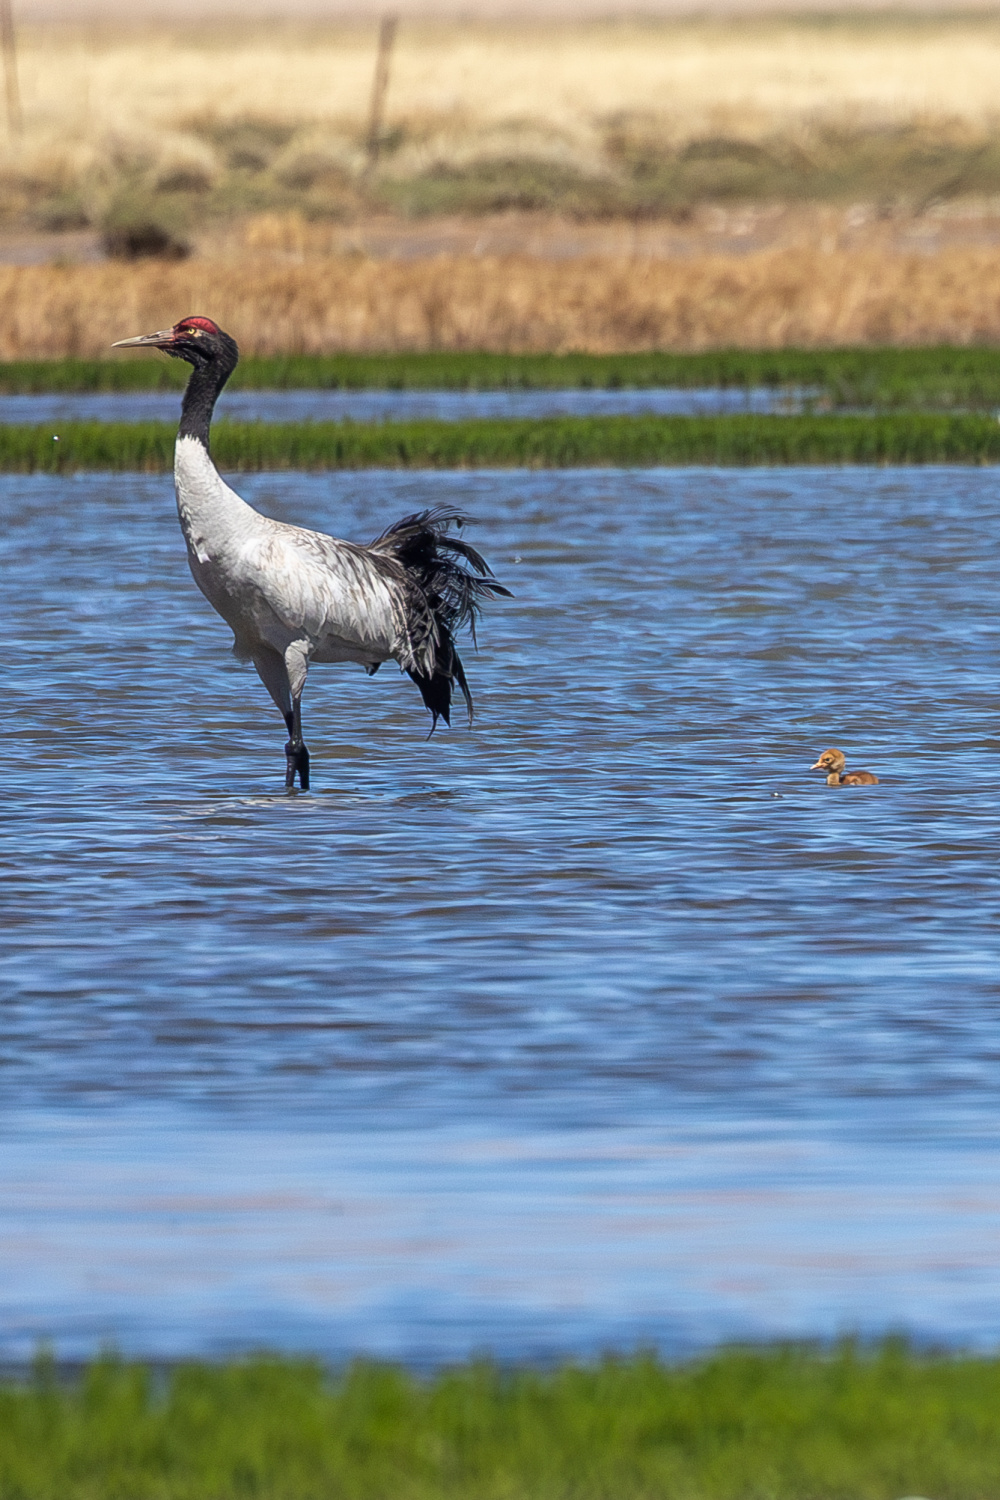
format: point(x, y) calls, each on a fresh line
point(292, 596)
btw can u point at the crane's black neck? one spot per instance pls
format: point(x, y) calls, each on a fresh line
point(204, 385)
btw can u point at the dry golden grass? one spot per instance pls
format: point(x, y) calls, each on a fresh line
point(147, 120)
point(103, 103)
point(82, 82)
point(779, 297)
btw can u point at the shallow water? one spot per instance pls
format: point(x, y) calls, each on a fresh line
point(603, 1021)
point(395, 406)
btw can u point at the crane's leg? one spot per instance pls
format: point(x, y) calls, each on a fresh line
point(273, 671)
point(296, 754)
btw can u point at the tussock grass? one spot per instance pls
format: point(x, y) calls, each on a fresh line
point(783, 1424)
point(515, 304)
point(644, 171)
point(898, 438)
point(937, 378)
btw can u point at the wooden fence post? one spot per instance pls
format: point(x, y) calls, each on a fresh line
point(13, 92)
point(380, 85)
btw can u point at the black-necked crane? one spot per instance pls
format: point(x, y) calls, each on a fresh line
point(292, 596)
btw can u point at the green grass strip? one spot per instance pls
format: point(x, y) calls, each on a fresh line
point(435, 371)
point(933, 377)
point(559, 442)
point(784, 1424)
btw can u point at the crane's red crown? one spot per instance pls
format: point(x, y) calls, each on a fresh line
point(205, 324)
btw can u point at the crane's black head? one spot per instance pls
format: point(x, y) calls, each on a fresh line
point(213, 355)
point(198, 340)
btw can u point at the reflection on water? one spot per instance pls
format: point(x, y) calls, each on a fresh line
point(435, 1244)
point(397, 406)
point(618, 912)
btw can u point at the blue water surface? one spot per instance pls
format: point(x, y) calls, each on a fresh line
point(398, 406)
point(600, 1022)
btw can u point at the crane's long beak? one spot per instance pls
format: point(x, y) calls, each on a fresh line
point(147, 340)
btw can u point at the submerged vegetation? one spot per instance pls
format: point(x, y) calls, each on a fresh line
point(782, 1423)
point(553, 442)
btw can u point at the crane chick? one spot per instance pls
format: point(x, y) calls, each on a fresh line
point(833, 762)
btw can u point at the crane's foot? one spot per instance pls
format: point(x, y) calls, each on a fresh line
point(296, 764)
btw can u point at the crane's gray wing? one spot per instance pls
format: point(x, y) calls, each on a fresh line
point(328, 588)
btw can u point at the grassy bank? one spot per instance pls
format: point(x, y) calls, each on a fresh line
point(936, 378)
point(902, 438)
point(779, 1424)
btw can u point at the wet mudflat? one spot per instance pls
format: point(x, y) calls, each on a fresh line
point(600, 1022)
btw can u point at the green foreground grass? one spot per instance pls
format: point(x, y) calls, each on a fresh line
point(785, 1424)
point(558, 442)
point(930, 378)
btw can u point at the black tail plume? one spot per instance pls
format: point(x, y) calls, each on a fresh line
point(447, 584)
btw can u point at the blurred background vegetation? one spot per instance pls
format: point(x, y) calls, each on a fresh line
point(126, 127)
point(772, 181)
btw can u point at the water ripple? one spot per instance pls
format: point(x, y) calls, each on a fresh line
point(619, 899)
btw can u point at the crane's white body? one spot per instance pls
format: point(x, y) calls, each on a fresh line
point(290, 596)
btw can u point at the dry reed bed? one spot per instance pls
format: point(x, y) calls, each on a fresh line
point(781, 298)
